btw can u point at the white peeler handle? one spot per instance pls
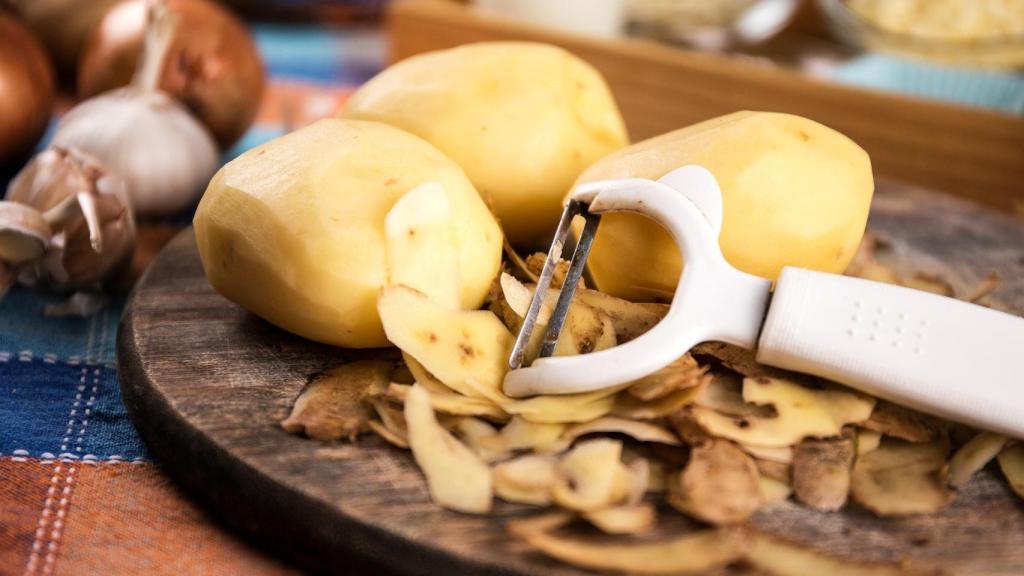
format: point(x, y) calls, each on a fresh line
point(929, 352)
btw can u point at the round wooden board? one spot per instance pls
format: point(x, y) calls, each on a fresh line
point(207, 383)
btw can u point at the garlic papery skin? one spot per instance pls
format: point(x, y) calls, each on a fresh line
point(88, 210)
point(24, 233)
point(164, 155)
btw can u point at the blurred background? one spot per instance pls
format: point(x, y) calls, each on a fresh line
point(237, 73)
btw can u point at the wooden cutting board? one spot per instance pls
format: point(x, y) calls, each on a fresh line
point(206, 384)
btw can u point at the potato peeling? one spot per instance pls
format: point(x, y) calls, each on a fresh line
point(724, 394)
point(456, 477)
point(779, 557)
point(330, 407)
point(567, 408)
point(773, 491)
point(467, 350)
point(520, 434)
point(821, 472)
point(737, 359)
point(693, 553)
point(715, 435)
point(628, 318)
point(720, 484)
point(783, 454)
point(1011, 461)
point(445, 399)
point(642, 431)
point(901, 478)
point(867, 441)
point(585, 330)
point(591, 476)
point(903, 423)
point(801, 413)
point(392, 420)
point(682, 374)
point(632, 519)
point(528, 479)
point(629, 406)
point(973, 456)
point(449, 402)
point(419, 231)
point(388, 435)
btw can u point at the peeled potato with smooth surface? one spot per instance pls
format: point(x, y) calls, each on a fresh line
point(294, 230)
point(522, 119)
point(794, 193)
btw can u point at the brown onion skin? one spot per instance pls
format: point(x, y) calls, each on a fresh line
point(26, 91)
point(62, 27)
point(213, 66)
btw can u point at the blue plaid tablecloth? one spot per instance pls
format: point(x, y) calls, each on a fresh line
point(79, 494)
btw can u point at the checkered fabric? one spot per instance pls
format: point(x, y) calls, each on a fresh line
point(79, 494)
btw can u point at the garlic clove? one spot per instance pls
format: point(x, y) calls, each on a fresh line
point(90, 211)
point(82, 304)
point(24, 233)
point(87, 209)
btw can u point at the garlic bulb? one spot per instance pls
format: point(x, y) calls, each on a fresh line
point(87, 211)
point(164, 155)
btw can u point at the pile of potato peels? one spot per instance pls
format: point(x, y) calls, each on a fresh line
point(715, 435)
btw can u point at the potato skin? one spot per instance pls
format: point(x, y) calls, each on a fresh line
point(293, 230)
point(522, 119)
point(794, 193)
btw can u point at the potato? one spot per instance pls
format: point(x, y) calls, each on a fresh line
point(794, 193)
point(522, 119)
point(294, 230)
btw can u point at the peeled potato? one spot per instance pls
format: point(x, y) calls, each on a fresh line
point(523, 119)
point(294, 230)
point(794, 193)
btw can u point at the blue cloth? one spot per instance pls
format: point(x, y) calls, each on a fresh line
point(1002, 91)
point(45, 361)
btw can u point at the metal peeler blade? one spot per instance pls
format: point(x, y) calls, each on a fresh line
point(576, 265)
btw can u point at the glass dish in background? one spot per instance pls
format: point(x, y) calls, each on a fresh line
point(713, 25)
point(958, 32)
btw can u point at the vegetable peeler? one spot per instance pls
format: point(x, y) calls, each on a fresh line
point(935, 354)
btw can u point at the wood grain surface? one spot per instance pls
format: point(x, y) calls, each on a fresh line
point(970, 152)
point(207, 383)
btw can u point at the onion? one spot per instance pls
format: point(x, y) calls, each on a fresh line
point(62, 26)
point(212, 66)
point(26, 91)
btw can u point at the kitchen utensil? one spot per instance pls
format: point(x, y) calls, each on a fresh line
point(932, 353)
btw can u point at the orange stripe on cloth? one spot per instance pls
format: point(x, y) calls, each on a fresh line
point(129, 519)
point(23, 486)
point(295, 104)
